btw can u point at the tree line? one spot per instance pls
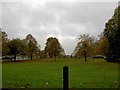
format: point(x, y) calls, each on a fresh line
point(89, 46)
point(19, 47)
point(29, 47)
point(108, 44)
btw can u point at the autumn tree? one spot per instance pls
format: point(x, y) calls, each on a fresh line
point(32, 45)
point(16, 47)
point(101, 46)
point(4, 43)
point(84, 46)
point(53, 47)
point(19, 46)
point(112, 33)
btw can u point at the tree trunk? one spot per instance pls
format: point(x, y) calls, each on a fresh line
point(14, 57)
point(85, 55)
point(31, 56)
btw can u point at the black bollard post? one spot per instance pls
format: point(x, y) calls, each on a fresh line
point(65, 78)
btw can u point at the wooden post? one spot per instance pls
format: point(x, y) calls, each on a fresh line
point(85, 55)
point(65, 78)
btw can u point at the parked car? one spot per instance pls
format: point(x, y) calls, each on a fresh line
point(99, 56)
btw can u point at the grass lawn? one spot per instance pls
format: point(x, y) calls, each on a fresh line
point(46, 73)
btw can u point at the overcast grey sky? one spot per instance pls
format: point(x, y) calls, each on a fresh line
point(64, 20)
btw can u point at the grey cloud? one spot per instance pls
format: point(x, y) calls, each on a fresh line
point(89, 12)
point(71, 29)
point(62, 19)
point(0, 14)
point(41, 17)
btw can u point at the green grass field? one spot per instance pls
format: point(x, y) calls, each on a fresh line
point(46, 73)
